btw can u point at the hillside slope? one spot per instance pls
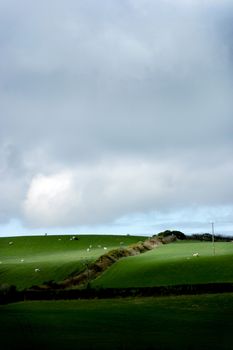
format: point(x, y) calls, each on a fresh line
point(56, 257)
point(171, 264)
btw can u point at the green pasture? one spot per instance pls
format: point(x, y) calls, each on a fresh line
point(172, 264)
point(55, 256)
point(184, 322)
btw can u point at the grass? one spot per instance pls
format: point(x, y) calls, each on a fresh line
point(55, 256)
point(170, 265)
point(184, 322)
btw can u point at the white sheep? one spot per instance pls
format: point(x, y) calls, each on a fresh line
point(37, 270)
point(195, 254)
point(59, 239)
point(105, 248)
point(10, 243)
point(22, 260)
point(88, 249)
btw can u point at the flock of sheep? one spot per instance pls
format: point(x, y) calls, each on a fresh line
point(75, 238)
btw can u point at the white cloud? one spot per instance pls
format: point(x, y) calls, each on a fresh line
point(49, 199)
point(101, 193)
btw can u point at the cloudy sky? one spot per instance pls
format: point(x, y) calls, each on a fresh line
point(116, 116)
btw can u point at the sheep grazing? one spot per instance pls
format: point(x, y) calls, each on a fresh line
point(195, 254)
point(105, 248)
point(22, 260)
point(59, 239)
point(10, 243)
point(88, 249)
point(37, 270)
point(74, 238)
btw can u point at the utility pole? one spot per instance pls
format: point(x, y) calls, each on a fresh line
point(213, 243)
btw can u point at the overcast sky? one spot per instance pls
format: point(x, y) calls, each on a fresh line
point(116, 116)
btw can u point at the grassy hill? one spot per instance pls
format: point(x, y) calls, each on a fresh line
point(58, 257)
point(55, 256)
point(182, 322)
point(170, 265)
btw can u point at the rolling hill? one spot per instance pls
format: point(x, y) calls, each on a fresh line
point(171, 264)
point(54, 257)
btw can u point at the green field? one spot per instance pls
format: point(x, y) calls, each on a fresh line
point(170, 265)
point(56, 256)
point(181, 322)
point(185, 322)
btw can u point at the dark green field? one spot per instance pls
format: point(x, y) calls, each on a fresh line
point(185, 322)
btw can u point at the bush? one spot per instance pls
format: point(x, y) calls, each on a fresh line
point(178, 234)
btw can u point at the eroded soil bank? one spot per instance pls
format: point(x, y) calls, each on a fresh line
point(93, 270)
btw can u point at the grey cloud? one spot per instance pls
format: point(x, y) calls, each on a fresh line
point(85, 82)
